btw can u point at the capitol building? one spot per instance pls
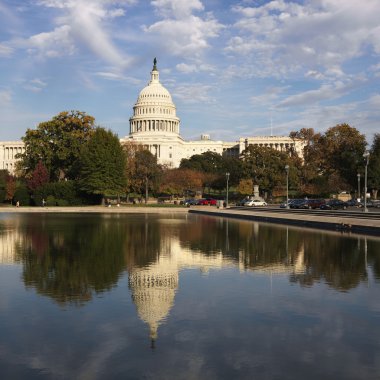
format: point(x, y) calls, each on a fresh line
point(155, 125)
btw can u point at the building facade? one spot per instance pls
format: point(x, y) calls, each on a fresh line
point(155, 125)
point(8, 151)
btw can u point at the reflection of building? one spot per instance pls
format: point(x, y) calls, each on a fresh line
point(154, 287)
point(9, 241)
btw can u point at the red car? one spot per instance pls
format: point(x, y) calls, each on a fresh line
point(202, 202)
point(211, 201)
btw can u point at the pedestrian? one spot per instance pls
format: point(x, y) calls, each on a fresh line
point(43, 202)
point(17, 204)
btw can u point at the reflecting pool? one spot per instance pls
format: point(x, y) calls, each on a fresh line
point(138, 296)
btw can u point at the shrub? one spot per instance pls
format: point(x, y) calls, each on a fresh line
point(50, 200)
point(22, 195)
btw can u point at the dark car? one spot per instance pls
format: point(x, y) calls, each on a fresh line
point(242, 201)
point(189, 202)
point(334, 204)
point(296, 203)
point(354, 203)
point(312, 203)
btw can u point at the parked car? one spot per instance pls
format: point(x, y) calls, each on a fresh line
point(189, 202)
point(211, 201)
point(255, 202)
point(202, 202)
point(290, 201)
point(311, 203)
point(334, 204)
point(354, 203)
point(296, 203)
point(242, 202)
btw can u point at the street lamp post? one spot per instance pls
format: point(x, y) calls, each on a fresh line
point(287, 185)
point(227, 178)
point(366, 156)
point(358, 185)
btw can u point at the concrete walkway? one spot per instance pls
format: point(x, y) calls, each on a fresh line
point(96, 209)
point(341, 223)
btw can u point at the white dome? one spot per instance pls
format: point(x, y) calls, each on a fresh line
point(154, 112)
point(154, 93)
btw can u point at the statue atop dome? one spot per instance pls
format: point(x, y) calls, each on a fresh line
point(155, 63)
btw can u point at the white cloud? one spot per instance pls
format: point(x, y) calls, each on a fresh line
point(177, 8)
point(327, 91)
point(180, 31)
point(81, 23)
point(50, 44)
point(185, 68)
point(35, 85)
point(5, 51)
point(194, 93)
point(194, 67)
point(321, 33)
point(5, 97)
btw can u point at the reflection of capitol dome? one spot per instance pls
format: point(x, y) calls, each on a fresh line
point(153, 291)
point(154, 111)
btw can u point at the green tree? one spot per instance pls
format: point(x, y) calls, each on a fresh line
point(374, 166)
point(207, 162)
point(214, 166)
point(102, 165)
point(57, 143)
point(310, 167)
point(265, 166)
point(341, 149)
point(147, 174)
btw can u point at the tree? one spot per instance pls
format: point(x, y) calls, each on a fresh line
point(57, 143)
point(10, 188)
point(102, 165)
point(245, 186)
point(214, 167)
point(341, 149)
point(374, 166)
point(133, 182)
point(179, 181)
point(207, 162)
point(265, 166)
point(147, 172)
point(310, 169)
point(38, 178)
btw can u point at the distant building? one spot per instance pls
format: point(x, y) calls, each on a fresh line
point(8, 151)
point(155, 125)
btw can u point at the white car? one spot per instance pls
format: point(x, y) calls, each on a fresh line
point(255, 202)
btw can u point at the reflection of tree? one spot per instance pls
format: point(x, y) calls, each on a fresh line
point(339, 260)
point(336, 259)
point(73, 257)
point(373, 256)
point(143, 240)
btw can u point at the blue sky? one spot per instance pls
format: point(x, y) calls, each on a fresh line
point(231, 66)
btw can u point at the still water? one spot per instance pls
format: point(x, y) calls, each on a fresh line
point(185, 297)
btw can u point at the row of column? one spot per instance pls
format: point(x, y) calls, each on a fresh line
point(278, 146)
point(9, 153)
point(154, 125)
